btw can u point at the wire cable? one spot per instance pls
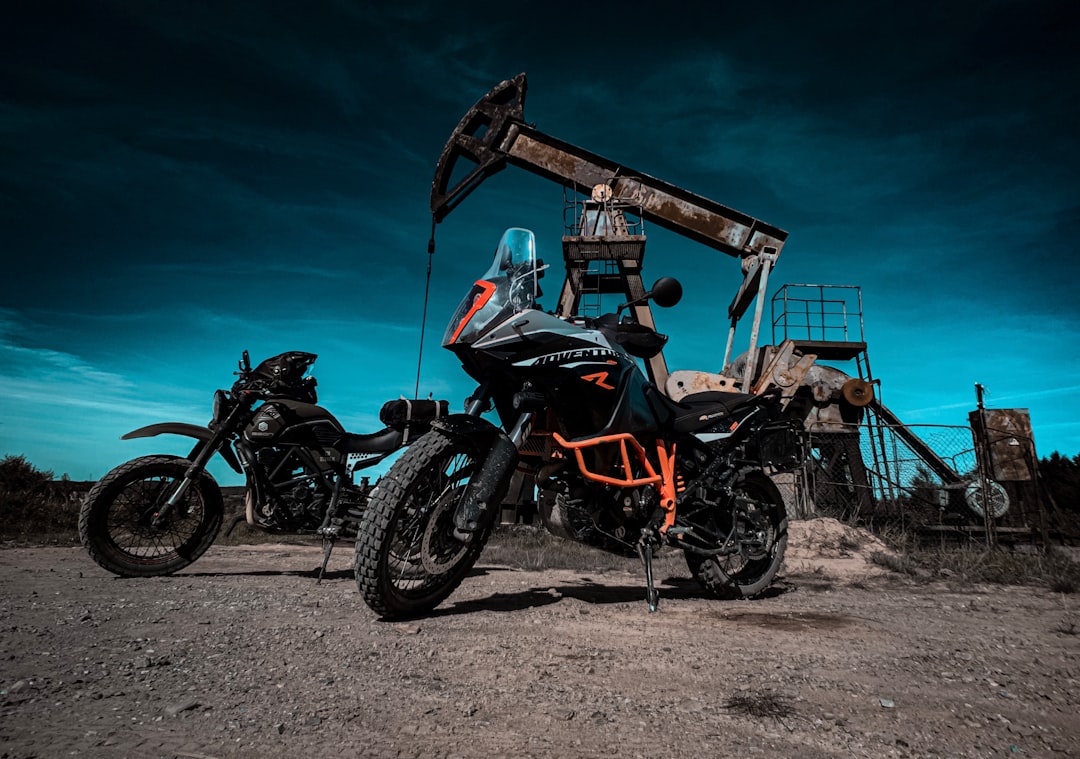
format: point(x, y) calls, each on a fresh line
point(423, 318)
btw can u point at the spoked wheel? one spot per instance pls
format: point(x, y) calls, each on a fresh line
point(407, 558)
point(760, 521)
point(116, 519)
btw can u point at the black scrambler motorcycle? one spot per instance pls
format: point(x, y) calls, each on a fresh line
point(157, 514)
point(617, 464)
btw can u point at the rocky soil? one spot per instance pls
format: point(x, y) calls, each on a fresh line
point(243, 655)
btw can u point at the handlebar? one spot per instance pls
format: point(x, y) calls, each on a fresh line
point(263, 388)
point(635, 338)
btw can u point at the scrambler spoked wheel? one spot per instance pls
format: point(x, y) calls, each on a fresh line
point(760, 521)
point(407, 558)
point(116, 519)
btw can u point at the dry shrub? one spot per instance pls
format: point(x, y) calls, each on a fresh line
point(33, 507)
point(765, 703)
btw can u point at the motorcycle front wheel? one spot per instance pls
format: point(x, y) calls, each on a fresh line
point(115, 521)
point(759, 518)
point(407, 558)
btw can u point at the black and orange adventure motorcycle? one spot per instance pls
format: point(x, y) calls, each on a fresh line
point(157, 514)
point(617, 464)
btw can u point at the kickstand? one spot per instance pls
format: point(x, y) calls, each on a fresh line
point(327, 547)
point(235, 521)
point(652, 595)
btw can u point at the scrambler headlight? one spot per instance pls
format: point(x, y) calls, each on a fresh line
point(221, 407)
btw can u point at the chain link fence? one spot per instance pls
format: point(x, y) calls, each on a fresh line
point(926, 478)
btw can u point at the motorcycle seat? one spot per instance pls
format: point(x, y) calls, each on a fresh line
point(383, 441)
point(702, 410)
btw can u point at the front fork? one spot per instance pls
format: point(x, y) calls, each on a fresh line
point(489, 484)
point(201, 453)
point(194, 471)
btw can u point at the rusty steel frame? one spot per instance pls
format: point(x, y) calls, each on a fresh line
point(494, 133)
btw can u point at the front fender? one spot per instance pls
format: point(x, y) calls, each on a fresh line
point(478, 431)
point(489, 484)
point(184, 429)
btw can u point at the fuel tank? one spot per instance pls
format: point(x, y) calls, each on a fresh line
point(287, 422)
point(594, 387)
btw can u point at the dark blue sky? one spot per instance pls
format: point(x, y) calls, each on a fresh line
point(181, 181)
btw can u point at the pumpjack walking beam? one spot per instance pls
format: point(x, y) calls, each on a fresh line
point(494, 133)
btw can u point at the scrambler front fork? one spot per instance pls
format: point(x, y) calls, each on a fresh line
point(161, 516)
point(200, 456)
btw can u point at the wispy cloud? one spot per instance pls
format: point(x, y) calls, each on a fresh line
point(44, 378)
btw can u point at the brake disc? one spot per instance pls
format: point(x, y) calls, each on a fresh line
point(440, 550)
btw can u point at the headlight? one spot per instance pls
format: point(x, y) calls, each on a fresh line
point(221, 407)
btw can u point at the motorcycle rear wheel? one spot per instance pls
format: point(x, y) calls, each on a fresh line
point(763, 524)
point(114, 521)
point(407, 558)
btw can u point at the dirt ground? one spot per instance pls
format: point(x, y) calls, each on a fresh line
point(243, 655)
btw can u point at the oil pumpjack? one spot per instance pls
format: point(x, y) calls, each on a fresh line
point(603, 251)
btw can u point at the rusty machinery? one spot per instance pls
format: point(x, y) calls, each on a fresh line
point(494, 134)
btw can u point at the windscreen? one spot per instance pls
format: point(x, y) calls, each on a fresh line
point(508, 286)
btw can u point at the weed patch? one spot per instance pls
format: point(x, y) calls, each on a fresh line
point(977, 564)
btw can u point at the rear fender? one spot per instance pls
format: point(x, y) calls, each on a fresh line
point(202, 434)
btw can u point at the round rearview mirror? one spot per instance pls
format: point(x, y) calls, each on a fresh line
point(666, 292)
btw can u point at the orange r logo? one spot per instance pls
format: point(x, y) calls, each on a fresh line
point(599, 379)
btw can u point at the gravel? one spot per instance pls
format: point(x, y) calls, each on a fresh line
point(243, 655)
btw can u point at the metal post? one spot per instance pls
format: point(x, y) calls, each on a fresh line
point(767, 260)
point(730, 343)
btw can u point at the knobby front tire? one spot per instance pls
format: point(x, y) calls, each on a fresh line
point(407, 558)
point(115, 519)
